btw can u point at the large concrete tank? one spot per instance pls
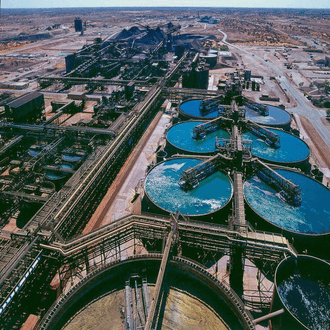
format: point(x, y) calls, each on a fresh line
point(164, 195)
point(308, 223)
point(180, 140)
point(194, 298)
point(302, 289)
point(58, 175)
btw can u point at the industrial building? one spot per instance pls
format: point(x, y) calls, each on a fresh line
point(25, 108)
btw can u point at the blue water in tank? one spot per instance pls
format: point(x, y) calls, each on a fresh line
point(292, 150)
point(180, 136)
point(277, 116)
point(51, 175)
point(306, 294)
point(311, 217)
point(34, 152)
point(71, 158)
point(162, 187)
point(191, 108)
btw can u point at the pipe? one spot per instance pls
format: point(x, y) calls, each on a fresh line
point(268, 316)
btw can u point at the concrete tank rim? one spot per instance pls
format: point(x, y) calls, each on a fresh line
point(185, 150)
point(295, 233)
point(188, 215)
point(302, 161)
point(305, 256)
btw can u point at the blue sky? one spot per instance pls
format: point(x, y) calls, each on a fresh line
point(166, 3)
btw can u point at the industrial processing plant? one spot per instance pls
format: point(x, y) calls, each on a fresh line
point(156, 175)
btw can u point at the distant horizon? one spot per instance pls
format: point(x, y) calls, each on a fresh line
point(165, 7)
point(166, 4)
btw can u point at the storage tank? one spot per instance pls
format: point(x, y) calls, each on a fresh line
point(58, 175)
point(201, 77)
point(35, 150)
point(292, 151)
point(71, 158)
point(161, 155)
point(302, 289)
point(210, 59)
point(179, 139)
point(277, 117)
point(308, 223)
point(164, 195)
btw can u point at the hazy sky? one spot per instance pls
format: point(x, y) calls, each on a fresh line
point(166, 3)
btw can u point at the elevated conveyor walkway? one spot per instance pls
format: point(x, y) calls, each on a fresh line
point(151, 319)
point(240, 222)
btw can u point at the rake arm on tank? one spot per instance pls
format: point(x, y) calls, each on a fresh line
point(271, 139)
point(260, 108)
point(212, 105)
point(200, 131)
point(191, 177)
point(288, 191)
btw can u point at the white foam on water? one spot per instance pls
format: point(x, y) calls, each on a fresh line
point(175, 167)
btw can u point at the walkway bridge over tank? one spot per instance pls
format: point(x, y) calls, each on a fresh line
point(260, 108)
point(190, 178)
point(272, 139)
point(201, 130)
point(289, 191)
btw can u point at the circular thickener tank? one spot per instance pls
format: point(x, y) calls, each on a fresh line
point(190, 109)
point(34, 152)
point(277, 117)
point(302, 289)
point(180, 137)
point(71, 158)
point(293, 151)
point(163, 190)
point(310, 218)
point(58, 175)
point(193, 299)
